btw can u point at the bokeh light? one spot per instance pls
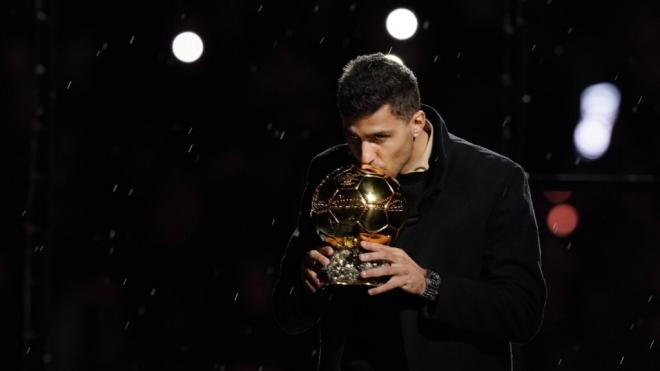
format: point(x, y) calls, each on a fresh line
point(599, 107)
point(187, 47)
point(562, 220)
point(401, 24)
point(557, 197)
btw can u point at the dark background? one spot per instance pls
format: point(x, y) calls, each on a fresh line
point(145, 202)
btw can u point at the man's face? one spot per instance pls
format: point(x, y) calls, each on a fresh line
point(382, 139)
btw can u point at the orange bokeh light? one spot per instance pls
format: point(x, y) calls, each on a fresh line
point(557, 197)
point(562, 220)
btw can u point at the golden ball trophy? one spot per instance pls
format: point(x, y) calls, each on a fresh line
point(352, 204)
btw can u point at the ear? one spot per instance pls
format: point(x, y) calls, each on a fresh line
point(418, 122)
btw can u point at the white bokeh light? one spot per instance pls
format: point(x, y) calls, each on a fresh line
point(600, 102)
point(401, 23)
point(591, 139)
point(187, 47)
point(599, 107)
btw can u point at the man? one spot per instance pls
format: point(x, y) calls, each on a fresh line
point(464, 282)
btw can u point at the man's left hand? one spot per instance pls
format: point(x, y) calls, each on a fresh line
point(404, 272)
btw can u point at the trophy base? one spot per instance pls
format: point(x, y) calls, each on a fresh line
point(345, 267)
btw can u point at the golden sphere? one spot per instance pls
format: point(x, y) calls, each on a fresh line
point(352, 204)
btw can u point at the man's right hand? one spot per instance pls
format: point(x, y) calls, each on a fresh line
point(311, 267)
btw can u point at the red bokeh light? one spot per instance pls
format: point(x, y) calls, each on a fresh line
point(557, 197)
point(562, 220)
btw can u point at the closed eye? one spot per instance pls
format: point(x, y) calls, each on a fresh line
point(379, 138)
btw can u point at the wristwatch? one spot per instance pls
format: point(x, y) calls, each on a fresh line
point(433, 282)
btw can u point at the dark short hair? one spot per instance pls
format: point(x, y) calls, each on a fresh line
point(371, 81)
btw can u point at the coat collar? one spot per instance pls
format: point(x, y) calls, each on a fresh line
point(441, 145)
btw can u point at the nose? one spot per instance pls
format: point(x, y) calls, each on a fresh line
point(367, 153)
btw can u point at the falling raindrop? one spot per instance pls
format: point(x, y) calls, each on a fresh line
point(132, 39)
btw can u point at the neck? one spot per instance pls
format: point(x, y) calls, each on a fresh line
point(417, 160)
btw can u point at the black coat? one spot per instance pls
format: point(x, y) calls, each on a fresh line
point(476, 228)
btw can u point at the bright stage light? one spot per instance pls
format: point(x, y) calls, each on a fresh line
point(187, 47)
point(401, 23)
point(599, 107)
point(592, 139)
point(600, 102)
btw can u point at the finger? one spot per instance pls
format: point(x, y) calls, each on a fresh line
point(309, 287)
point(393, 283)
point(387, 270)
point(326, 250)
point(371, 256)
point(310, 275)
point(314, 255)
point(373, 246)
